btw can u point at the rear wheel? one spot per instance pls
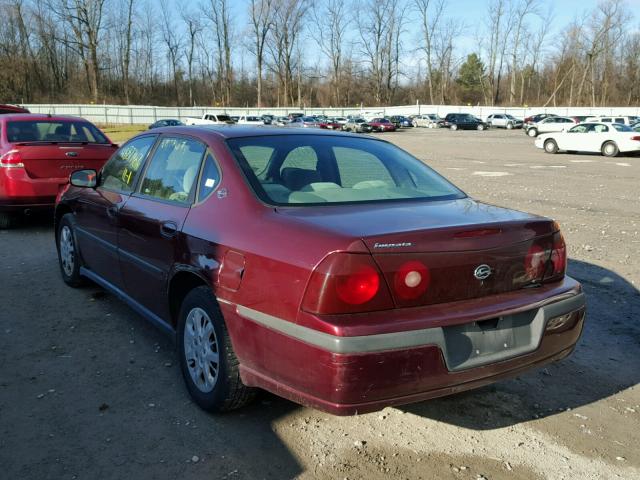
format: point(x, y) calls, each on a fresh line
point(209, 365)
point(550, 146)
point(68, 253)
point(532, 132)
point(7, 220)
point(610, 149)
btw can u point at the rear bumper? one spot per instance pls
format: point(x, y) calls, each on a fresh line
point(349, 375)
point(19, 192)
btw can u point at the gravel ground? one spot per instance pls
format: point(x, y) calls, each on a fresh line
point(89, 390)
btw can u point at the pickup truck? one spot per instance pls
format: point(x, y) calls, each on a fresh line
point(209, 119)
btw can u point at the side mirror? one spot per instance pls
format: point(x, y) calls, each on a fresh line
point(84, 178)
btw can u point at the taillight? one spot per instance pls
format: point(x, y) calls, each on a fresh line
point(411, 280)
point(11, 159)
point(346, 283)
point(636, 138)
point(546, 260)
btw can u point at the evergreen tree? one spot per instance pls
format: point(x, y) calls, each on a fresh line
point(470, 79)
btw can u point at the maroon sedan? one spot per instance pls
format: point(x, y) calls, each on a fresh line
point(37, 155)
point(331, 269)
point(382, 125)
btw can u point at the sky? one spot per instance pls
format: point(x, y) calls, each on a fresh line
point(472, 13)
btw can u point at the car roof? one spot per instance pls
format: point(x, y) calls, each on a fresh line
point(21, 117)
point(243, 131)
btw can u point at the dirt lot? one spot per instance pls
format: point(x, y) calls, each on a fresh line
point(89, 390)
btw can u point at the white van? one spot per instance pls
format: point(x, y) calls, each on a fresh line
point(625, 120)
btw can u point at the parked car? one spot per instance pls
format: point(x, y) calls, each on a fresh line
point(429, 120)
point(348, 262)
point(268, 118)
point(464, 121)
point(281, 121)
point(400, 121)
point(537, 118)
point(37, 155)
point(608, 139)
point(357, 125)
point(548, 125)
point(579, 118)
point(7, 109)
point(295, 115)
point(504, 120)
point(250, 120)
point(381, 125)
point(329, 124)
point(304, 122)
point(636, 127)
point(622, 119)
point(340, 120)
point(209, 119)
point(166, 122)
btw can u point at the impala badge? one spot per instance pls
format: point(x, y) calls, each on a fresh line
point(71, 154)
point(482, 272)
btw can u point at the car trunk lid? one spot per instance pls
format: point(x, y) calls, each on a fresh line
point(59, 160)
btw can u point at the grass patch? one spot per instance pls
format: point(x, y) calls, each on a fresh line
point(121, 133)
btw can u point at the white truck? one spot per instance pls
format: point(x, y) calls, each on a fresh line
point(209, 119)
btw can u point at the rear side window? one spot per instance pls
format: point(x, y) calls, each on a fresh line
point(120, 171)
point(173, 169)
point(258, 158)
point(54, 131)
point(210, 178)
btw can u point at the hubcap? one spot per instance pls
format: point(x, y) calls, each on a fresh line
point(67, 250)
point(609, 149)
point(201, 350)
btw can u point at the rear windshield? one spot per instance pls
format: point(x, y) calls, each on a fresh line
point(318, 169)
point(61, 131)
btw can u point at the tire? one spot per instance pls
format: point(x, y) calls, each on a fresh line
point(454, 127)
point(480, 127)
point(69, 258)
point(610, 149)
point(509, 126)
point(550, 146)
point(201, 330)
point(7, 220)
point(532, 132)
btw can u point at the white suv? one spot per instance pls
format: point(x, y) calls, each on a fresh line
point(611, 119)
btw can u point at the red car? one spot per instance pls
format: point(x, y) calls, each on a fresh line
point(382, 125)
point(5, 109)
point(330, 125)
point(37, 155)
point(335, 270)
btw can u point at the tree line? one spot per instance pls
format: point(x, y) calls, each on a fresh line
point(330, 53)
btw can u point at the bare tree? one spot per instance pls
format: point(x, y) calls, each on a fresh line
point(194, 27)
point(431, 14)
point(173, 43)
point(261, 14)
point(519, 16)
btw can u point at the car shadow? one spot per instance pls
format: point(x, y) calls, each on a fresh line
point(605, 362)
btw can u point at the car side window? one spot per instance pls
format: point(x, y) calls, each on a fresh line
point(209, 179)
point(173, 169)
point(601, 129)
point(120, 171)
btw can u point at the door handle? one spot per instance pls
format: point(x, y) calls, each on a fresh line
point(168, 229)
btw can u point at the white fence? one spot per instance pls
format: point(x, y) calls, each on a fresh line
point(118, 114)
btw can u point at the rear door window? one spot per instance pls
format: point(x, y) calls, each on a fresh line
point(209, 179)
point(173, 170)
point(120, 172)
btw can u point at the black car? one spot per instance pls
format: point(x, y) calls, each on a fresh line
point(166, 122)
point(464, 121)
point(537, 118)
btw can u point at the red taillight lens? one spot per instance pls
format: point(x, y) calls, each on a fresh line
point(411, 280)
point(636, 138)
point(547, 259)
point(346, 283)
point(11, 159)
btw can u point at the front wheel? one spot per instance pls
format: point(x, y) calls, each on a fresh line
point(509, 126)
point(532, 132)
point(480, 127)
point(209, 365)
point(68, 253)
point(550, 146)
point(454, 127)
point(610, 149)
